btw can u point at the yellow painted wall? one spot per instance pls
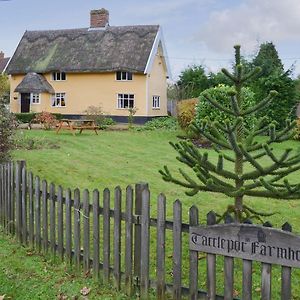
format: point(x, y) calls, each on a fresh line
point(83, 90)
point(157, 86)
point(86, 89)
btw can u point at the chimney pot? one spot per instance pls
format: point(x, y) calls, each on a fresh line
point(99, 18)
point(1, 55)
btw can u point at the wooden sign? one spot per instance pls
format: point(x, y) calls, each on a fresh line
point(246, 241)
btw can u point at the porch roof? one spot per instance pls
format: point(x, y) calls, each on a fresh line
point(34, 83)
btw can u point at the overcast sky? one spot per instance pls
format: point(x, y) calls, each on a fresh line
point(195, 31)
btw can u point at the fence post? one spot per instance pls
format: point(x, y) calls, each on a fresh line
point(18, 201)
point(145, 243)
point(139, 187)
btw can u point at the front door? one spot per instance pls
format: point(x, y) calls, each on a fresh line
point(25, 102)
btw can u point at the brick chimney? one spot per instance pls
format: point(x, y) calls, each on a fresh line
point(1, 55)
point(99, 18)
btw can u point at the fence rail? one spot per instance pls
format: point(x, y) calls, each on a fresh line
point(110, 235)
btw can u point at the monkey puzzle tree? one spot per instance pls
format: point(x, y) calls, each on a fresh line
point(265, 174)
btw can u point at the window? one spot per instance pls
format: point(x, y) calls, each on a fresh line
point(35, 98)
point(125, 100)
point(123, 76)
point(156, 102)
point(59, 76)
point(59, 100)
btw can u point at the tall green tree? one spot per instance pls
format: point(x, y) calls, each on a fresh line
point(237, 146)
point(192, 81)
point(268, 60)
point(273, 77)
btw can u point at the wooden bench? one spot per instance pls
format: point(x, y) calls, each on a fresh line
point(80, 124)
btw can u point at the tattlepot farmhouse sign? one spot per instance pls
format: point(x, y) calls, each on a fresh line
point(247, 241)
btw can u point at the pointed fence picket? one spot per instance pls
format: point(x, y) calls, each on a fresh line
point(110, 238)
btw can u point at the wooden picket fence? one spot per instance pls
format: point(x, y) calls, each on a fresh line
point(76, 228)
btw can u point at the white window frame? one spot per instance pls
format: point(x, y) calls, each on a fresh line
point(55, 75)
point(156, 102)
point(35, 98)
point(121, 98)
point(124, 76)
point(58, 97)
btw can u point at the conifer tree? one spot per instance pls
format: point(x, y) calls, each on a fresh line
point(237, 146)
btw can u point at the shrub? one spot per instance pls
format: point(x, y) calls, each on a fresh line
point(132, 111)
point(25, 117)
point(186, 111)
point(96, 114)
point(221, 94)
point(169, 123)
point(46, 119)
point(6, 132)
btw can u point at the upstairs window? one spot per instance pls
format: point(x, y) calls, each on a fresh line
point(35, 98)
point(156, 102)
point(125, 100)
point(59, 100)
point(123, 76)
point(59, 76)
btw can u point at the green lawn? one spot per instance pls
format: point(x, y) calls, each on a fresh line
point(124, 158)
point(26, 275)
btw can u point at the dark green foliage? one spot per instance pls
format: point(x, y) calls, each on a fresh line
point(192, 81)
point(25, 117)
point(169, 123)
point(268, 59)
point(273, 77)
point(283, 105)
point(236, 146)
point(105, 122)
point(6, 132)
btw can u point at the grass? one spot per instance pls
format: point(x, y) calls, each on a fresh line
point(27, 275)
point(124, 158)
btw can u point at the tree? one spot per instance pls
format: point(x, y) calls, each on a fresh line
point(273, 77)
point(268, 59)
point(192, 81)
point(6, 122)
point(4, 88)
point(237, 146)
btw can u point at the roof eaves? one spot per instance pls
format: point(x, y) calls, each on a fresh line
point(159, 38)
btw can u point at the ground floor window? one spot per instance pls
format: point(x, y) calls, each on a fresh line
point(156, 102)
point(35, 98)
point(59, 100)
point(125, 100)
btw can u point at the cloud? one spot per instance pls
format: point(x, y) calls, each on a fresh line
point(250, 23)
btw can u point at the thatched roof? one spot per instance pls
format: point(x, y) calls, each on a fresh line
point(3, 63)
point(125, 48)
point(34, 83)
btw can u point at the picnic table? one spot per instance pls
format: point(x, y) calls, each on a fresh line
point(77, 124)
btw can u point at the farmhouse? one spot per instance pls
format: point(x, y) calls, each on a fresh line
point(115, 67)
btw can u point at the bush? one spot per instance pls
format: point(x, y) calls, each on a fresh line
point(221, 94)
point(46, 119)
point(25, 117)
point(96, 114)
point(6, 132)
point(169, 123)
point(186, 111)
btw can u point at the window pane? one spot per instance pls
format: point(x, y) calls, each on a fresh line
point(131, 103)
point(63, 76)
point(118, 75)
point(129, 76)
point(123, 75)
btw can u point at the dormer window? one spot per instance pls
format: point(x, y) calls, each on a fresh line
point(123, 76)
point(59, 76)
